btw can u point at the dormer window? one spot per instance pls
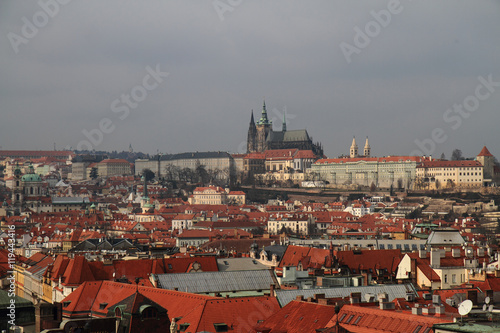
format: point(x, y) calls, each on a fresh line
point(221, 327)
point(149, 313)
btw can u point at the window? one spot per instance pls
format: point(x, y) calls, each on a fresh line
point(357, 320)
point(453, 278)
point(446, 278)
point(417, 329)
point(149, 312)
point(102, 306)
point(221, 327)
point(342, 317)
point(183, 327)
point(349, 319)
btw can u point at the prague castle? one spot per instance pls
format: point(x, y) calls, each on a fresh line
point(262, 137)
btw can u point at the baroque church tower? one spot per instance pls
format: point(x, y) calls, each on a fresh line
point(367, 150)
point(354, 148)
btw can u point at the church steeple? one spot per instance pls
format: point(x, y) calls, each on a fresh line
point(263, 118)
point(283, 127)
point(367, 150)
point(252, 135)
point(354, 148)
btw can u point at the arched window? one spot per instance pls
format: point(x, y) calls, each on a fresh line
point(31, 190)
point(149, 313)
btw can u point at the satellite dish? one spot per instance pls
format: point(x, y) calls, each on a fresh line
point(465, 307)
point(490, 308)
point(487, 300)
point(484, 307)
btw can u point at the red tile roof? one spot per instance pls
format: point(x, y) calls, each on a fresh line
point(298, 317)
point(449, 164)
point(87, 299)
point(376, 320)
point(240, 314)
point(371, 159)
point(485, 152)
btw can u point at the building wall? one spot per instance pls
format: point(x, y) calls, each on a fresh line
point(113, 169)
point(449, 177)
point(366, 172)
point(300, 227)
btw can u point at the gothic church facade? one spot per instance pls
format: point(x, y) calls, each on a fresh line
point(262, 137)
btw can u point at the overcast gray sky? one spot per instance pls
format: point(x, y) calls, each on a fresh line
point(65, 68)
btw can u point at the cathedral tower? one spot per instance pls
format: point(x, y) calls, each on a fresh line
point(367, 150)
point(354, 148)
point(252, 135)
point(264, 127)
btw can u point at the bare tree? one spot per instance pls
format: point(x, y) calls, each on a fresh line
point(457, 155)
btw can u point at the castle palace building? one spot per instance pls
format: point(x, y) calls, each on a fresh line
point(262, 137)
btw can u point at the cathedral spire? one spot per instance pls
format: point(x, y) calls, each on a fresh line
point(263, 119)
point(252, 122)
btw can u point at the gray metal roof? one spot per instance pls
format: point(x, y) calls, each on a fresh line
point(239, 264)
point(212, 282)
point(445, 236)
point(288, 136)
point(70, 200)
point(393, 291)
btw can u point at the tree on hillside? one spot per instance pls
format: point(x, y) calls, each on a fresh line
point(93, 173)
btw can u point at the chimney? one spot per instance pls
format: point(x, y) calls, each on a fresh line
point(472, 295)
point(355, 298)
point(299, 298)
point(435, 259)
point(387, 306)
point(382, 297)
point(439, 309)
point(416, 310)
point(271, 291)
point(480, 252)
point(422, 254)
point(455, 253)
point(429, 311)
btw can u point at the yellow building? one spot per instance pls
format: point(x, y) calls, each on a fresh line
point(114, 167)
point(449, 174)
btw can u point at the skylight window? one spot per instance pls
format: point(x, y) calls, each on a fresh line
point(221, 327)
